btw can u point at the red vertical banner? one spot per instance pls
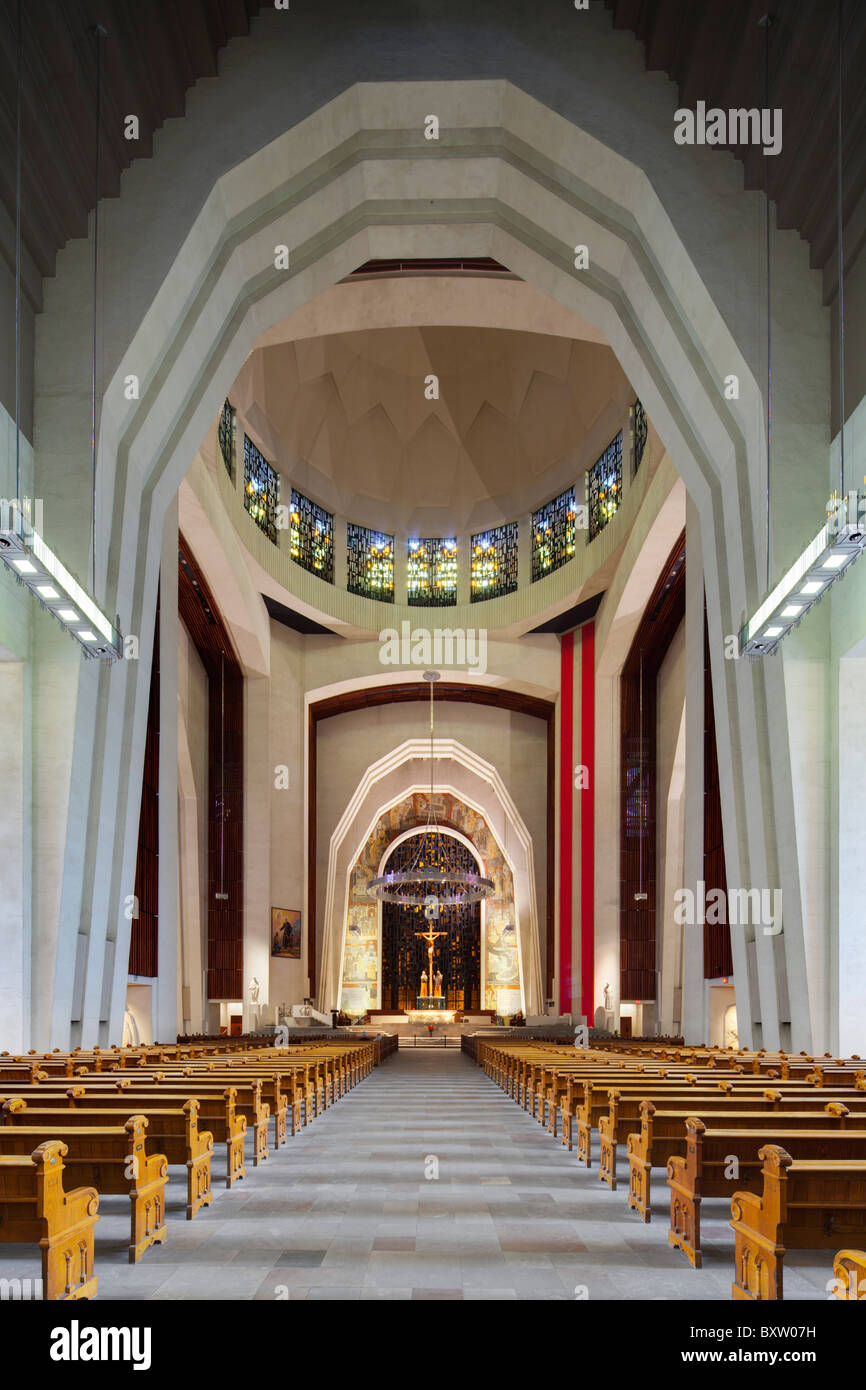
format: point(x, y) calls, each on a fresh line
point(566, 817)
point(587, 822)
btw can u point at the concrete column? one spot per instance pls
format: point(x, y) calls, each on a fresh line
point(464, 569)
point(168, 1014)
point(401, 570)
point(694, 1023)
point(14, 857)
point(341, 567)
point(852, 817)
point(258, 780)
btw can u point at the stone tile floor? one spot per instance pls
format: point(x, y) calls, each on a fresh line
point(425, 1182)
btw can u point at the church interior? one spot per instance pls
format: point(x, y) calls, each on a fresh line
point(432, 651)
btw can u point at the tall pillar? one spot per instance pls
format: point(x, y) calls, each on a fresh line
point(167, 1013)
point(258, 781)
point(693, 1011)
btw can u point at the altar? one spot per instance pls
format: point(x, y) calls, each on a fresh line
point(429, 1003)
point(426, 1013)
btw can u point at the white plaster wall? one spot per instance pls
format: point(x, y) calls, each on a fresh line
point(670, 821)
point(288, 823)
point(852, 852)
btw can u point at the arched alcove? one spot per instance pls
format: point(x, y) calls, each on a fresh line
point(388, 801)
point(499, 925)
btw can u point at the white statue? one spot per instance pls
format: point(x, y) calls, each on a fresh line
point(254, 990)
point(608, 1000)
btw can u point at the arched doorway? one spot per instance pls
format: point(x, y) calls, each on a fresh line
point(458, 954)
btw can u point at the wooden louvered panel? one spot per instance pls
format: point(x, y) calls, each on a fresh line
point(663, 615)
point(225, 815)
point(144, 929)
point(718, 959)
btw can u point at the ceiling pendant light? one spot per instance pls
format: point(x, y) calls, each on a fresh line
point(426, 883)
point(22, 548)
point(842, 538)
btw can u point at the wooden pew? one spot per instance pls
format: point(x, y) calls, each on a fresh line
point(849, 1276)
point(589, 1101)
point(174, 1132)
point(624, 1115)
point(804, 1204)
point(34, 1209)
point(703, 1170)
point(217, 1108)
point(113, 1160)
point(662, 1134)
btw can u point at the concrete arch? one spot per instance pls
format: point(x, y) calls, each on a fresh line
point(389, 781)
point(411, 833)
point(519, 183)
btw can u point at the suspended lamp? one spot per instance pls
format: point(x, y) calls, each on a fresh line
point(424, 883)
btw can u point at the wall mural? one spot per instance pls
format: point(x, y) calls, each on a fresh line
point(360, 985)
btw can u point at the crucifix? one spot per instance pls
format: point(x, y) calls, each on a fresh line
point(429, 936)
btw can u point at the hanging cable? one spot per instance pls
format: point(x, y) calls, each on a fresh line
point(764, 22)
point(641, 798)
point(99, 33)
point(18, 142)
point(841, 254)
point(222, 893)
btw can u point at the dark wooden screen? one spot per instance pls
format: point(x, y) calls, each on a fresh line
point(458, 955)
point(225, 829)
point(144, 933)
point(718, 960)
point(663, 615)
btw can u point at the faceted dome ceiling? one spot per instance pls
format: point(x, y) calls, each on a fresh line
point(519, 416)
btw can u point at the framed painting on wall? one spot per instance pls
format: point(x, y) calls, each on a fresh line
point(286, 933)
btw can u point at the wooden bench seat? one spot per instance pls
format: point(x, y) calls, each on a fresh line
point(662, 1135)
point(113, 1160)
point(703, 1171)
point(35, 1210)
point(589, 1105)
point(624, 1115)
point(225, 1110)
point(804, 1204)
point(172, 1132)
point(849, 1276)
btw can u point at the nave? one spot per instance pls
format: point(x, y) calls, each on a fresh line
point(344, 1210)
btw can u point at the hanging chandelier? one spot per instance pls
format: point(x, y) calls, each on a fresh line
point(426, 883)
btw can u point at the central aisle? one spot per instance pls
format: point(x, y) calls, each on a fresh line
point(351, 1208)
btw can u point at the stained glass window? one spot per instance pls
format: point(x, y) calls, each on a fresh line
point(494, 562)
point(638, 434)
point(227, 434)
point(604, 487)
point(312, 537)
point(432, 572)
point(261, 489)
point(553, 527)
point(370, 556)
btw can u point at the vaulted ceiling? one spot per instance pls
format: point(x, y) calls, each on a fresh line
point(157, 49)
point(347, 420)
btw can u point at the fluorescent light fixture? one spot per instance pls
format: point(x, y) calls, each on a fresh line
point(837, 545)
point(34, 563)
